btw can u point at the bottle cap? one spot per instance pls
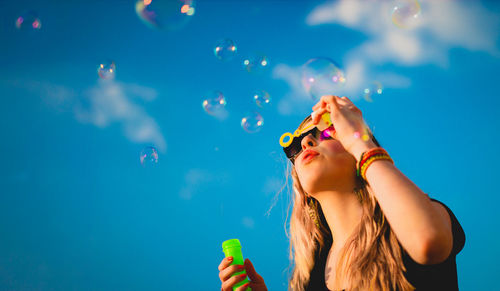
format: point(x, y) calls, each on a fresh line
point(231, 243)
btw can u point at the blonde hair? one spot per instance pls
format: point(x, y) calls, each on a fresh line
point(373, 250)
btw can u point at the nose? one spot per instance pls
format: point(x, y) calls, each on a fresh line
point(308, 141)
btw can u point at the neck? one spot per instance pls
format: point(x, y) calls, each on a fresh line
point(342, 212)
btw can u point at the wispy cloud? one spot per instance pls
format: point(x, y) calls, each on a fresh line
point(441, 26)
point(103, 104)
point(194, 179)
point(109, 102)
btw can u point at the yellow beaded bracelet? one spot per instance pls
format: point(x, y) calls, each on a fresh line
point(368, 162)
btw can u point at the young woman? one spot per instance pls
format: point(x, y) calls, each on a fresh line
point(357, 222)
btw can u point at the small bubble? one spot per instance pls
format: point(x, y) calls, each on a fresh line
point(405, 13)
point(149, 156)
point(252, 122)
point(256, 63)
point(374, 89)
point(225, 49)
point(262, 98)
point(28, 20)
point(107, 70)
point(214, 102)
point(165, 14)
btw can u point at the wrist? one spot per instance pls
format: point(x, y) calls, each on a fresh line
point(360, 147)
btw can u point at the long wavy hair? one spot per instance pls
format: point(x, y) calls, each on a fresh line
point(373, 250)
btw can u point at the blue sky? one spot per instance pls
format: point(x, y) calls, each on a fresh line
point(79, 212)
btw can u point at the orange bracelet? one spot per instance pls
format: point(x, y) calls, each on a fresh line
point(368, 157)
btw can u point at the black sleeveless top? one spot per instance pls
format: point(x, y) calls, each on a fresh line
point(442, 276)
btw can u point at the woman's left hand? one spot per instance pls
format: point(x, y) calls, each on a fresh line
point(351, 130)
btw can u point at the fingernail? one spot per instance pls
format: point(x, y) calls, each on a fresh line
point(230, 259)
point(241, 267)
point(243, 275)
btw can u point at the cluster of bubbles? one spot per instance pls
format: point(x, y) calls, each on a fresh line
point(162, 14)
point(253, 121)
point(405, 13)
point(214, 102)
point(29, 20)
point(149, 156)
point(321, 76)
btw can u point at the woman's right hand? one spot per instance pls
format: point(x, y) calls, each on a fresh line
point(226, 270)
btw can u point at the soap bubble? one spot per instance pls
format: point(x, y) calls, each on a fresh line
point(165, 14)
point(405, 13)
point(225, 49)
point(256, 63)
point(214, 102)
point(321, 76)
point(149, 156)
point(28, 21)
point(252, 122)
point(262, 98)
point(107, 70)
point(374, 89)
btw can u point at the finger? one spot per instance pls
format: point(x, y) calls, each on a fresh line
point(316, 115)
point(318, 105)
point(225, 274)
point(243, 287)
point(252, 274)
point(225, 262)
point(331, 100)
point(233, 281)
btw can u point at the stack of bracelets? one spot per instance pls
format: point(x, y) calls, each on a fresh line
point(369, 157)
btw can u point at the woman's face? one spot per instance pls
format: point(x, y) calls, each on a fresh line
point(324, 165)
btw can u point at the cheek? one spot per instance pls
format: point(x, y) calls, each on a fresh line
point(334, 147)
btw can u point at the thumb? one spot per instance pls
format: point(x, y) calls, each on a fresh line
point(250, 270)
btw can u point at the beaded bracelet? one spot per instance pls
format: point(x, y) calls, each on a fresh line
point(368, 157)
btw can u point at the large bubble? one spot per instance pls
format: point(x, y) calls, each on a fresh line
point(165, 14)
point(252, 122)
point(322, 76)
point(225, 49)
point(405, 13)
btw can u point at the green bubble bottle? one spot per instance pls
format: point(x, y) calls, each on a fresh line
point(232, 247)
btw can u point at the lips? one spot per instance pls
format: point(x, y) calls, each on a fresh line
point(308, 155)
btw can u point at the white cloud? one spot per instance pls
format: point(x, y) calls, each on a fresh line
point(297, 100)
point(103, 104)
point(110, 101)
point(440, 26)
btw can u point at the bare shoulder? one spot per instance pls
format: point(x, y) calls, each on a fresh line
point(443, 213)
